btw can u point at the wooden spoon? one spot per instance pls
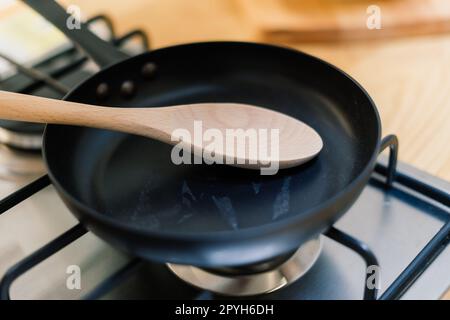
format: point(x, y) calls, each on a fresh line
point(297, 141)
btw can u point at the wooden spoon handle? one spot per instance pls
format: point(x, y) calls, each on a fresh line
point(150, 122)
point(22, 107)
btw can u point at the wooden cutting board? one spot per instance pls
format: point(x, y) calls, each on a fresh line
point(334, 20)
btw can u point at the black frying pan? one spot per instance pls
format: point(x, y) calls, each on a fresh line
point(126, 190)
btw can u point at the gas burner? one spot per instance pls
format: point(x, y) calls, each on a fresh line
point(24, 135)
point(16, 164)
point(230, 283)
point(23, 139)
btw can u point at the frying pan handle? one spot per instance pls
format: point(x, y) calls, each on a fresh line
point(391, 142)
point(102, 52)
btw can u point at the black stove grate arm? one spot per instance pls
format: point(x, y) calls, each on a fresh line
point(422, 187)
point(390, 141)
point(38, 75)
point(364, 251)
point(37, 257)
point(420, 263)
point(106, 20)
point(135, 33)
point(23, 193)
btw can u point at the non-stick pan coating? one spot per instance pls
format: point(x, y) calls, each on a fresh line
point(127, 190)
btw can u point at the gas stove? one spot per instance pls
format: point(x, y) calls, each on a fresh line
point(398, 233)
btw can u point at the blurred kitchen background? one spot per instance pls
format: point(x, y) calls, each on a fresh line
point(404, 65)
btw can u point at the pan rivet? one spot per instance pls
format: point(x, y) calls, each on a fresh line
point(102, 90)
point(127, 88)
point(148, 70)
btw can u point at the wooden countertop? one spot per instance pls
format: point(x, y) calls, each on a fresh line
point(409, 78)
